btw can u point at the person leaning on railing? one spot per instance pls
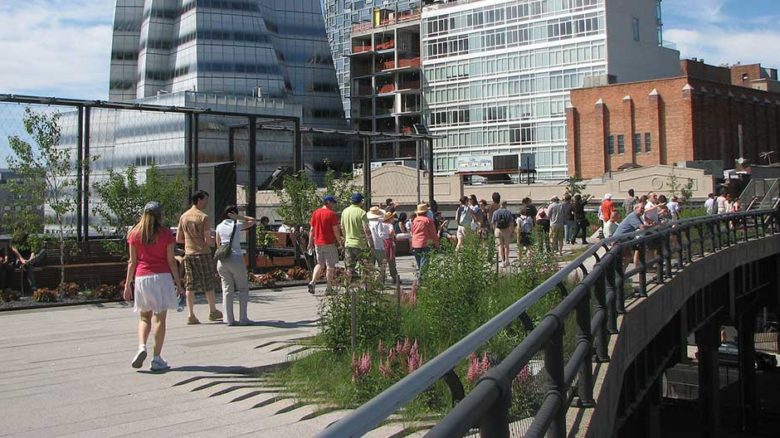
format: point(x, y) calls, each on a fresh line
point(633, 222)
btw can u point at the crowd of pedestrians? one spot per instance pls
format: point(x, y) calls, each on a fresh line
point(364, 237)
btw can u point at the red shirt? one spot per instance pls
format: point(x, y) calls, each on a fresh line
point(152, 259)
point(322, 222)
point(607, 207)
point(424, 232)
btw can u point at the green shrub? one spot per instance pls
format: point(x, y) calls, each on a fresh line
point(451, 291)
point(377, 318)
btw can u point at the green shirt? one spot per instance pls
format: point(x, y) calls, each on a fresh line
point(353, 218)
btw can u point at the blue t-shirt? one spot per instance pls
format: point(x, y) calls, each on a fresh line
point(631, 223)
point(504, 217)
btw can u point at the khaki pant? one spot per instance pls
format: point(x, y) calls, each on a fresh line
point(556, 236)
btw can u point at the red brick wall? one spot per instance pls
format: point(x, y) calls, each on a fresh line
point(697, 124)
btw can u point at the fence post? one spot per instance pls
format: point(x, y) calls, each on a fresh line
point(85, 187)
point(251, 192)
point(495, 422)
point(619, 284)
point(79, 171)
point(668, 248)
point(643, 268)
point(585, 381)
point(553, 364)
point(610, 315)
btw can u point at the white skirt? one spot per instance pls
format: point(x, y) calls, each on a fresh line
point(155, 293)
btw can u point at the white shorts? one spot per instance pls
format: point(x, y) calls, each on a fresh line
point(155, 293)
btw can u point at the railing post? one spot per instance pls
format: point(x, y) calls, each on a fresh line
point(619, 284)
point(689, 246)
point(553, 364)
point(610, 315)
point(680, 248)
point(711, 226)
point(643, 268)
point(495, 423)
point(668, 248)
point(585, 381)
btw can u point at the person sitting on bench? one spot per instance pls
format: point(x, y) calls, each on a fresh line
point(26, 259)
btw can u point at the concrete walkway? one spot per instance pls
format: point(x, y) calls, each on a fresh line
point(66, 372)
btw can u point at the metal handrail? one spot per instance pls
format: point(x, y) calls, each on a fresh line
point(488, 403)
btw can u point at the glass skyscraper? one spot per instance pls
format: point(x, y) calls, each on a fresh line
point(497, 73)
point(254, 56)
point(340, 17)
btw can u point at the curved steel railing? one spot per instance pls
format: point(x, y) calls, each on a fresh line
point(487, 405)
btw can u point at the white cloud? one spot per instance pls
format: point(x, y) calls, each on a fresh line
point(720, 45)
point(56, 47)
point(709, 11)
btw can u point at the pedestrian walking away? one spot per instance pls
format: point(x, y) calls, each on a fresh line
point(232, 270)
point(358, 244)
point(152, 282)
point(557, 213)
point(503, 223)
point(200, 270)
point(325, 239)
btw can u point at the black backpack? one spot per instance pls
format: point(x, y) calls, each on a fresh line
point(503, 221)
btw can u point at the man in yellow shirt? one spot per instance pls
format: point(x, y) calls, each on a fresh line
point(357, 235)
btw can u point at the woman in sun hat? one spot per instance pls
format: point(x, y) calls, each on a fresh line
point(153, 273)
point(424, 236)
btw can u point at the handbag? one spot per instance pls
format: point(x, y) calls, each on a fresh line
point(225, 249)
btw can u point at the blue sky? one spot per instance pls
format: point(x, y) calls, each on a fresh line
point(62, 47)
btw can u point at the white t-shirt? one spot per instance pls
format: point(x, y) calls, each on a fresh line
point(651, 212)
point(709, 205)
point(285, 229)
point(609, 228)
point(225, 229)
point(379, 232)
point(674, 209)
point(721, 201)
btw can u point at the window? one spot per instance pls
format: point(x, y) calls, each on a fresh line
point(621, 144)
point(611, 145)
point(637, 143)
point(635, 28)
point(648, 142)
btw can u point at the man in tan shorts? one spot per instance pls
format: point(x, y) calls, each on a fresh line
point(200, 271)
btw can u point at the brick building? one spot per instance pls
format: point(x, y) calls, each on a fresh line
point(707, 113)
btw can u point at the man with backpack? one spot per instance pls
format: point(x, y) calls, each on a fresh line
point(502, 222)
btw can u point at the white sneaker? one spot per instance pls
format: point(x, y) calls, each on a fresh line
point(159, 364)
point(138, 360)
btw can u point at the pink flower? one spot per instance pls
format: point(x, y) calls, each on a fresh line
point(407, 346)
point(360, 366)
point(414, 360)
point(473, 372)
point(380, 349)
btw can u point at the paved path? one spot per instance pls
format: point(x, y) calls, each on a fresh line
point(66, 372)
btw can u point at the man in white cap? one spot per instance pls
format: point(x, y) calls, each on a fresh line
point(376, 223)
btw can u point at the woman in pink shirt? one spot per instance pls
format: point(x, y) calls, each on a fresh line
point(424, 235)
point(153, 273)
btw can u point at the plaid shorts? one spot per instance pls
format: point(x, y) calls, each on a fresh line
point(200, 272)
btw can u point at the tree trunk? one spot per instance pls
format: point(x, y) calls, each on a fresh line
point(62, 256)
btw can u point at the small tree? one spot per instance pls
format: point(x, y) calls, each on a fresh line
point(122, 199)
point(574, 186)
point(299, 196)
point(676, 188)
point(44, 175)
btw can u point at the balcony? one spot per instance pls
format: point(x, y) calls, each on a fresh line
point(361, 48)
point(385, 45)
point(409, 62)
point(385, 89)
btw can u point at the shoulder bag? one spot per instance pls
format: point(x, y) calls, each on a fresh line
point(225, 249)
